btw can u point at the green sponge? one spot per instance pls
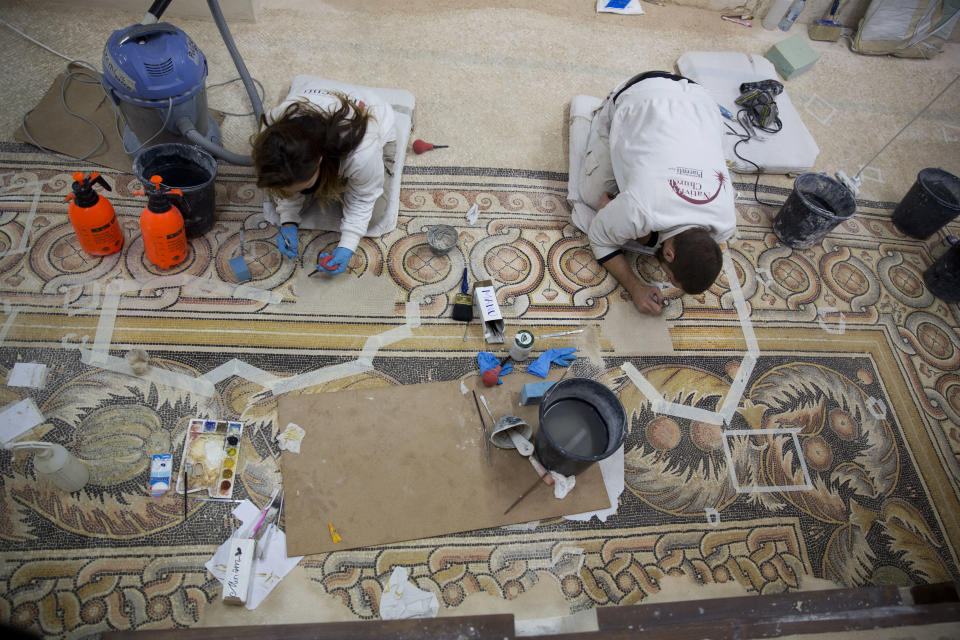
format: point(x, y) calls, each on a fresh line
point(792, 56)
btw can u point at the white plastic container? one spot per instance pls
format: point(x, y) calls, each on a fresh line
point(792, 13)
point(521, 346)
point(56, 463)
point(775, 14)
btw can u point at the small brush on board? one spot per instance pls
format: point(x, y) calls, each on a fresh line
point(463, 305)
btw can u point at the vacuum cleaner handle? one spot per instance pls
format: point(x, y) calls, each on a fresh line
point(141, 30)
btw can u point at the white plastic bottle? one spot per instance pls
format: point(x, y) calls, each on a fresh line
point(792, 14)
point(775, 13)
point(56, 463)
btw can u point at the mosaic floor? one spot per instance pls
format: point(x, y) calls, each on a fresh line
point(856, 357)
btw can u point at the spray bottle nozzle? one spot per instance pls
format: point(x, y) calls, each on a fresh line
point(159, 196)
point(83, 188)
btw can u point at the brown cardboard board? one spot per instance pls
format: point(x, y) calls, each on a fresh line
point(407, 462)
point(52, 127)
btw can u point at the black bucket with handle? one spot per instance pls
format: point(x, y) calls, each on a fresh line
point(943, 276)
point(816, 205)
point(581, 422)
point(932, 202)
point(188, 168)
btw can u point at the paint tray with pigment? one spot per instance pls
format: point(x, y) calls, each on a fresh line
point(211, 448)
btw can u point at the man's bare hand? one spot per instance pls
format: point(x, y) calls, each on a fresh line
point(647, 299)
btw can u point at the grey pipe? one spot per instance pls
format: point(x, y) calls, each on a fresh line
point(186, 127)
point(237, 60)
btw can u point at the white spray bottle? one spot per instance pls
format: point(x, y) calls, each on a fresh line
point(56, 463)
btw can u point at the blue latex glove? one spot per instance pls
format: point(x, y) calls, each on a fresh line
point(562, 357)
point(488, 361)
point(287, 241)
point(336, 264)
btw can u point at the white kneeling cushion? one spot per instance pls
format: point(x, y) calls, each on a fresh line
point(791, 150)
point(403, 103)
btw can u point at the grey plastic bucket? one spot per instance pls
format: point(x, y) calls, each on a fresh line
point(581, 422)
point(932, 202)
point(816, 205)
point(188, 168)
point(943, 276)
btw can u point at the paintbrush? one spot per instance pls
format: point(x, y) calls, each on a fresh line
point(463, 303)
point(263, 513)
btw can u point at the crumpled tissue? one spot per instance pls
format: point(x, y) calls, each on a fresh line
point(402, 600)
point(291, 437)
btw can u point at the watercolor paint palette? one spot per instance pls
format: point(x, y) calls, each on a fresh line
point(211, 456)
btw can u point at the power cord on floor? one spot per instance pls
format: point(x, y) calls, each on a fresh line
point(746, 118)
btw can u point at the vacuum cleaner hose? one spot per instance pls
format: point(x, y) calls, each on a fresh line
point(186, 127)
point(237, 60)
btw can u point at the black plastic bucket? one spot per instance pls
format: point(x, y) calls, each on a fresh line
point(933, 201)
point(188, 168)
point(943, 276)
point(816, 205)
point(581, 422)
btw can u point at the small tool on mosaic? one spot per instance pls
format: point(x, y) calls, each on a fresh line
point(422, 146)
point(93, 217)
point(483, 428)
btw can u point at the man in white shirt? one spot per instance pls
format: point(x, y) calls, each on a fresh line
point(654, 180)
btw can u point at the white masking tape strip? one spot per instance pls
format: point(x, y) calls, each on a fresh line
point(318, 376)
point(155, 374)
point(732, 401)
point(793, 431)
point(413, 314)
point(740, 304)
point(11, 318)
point(692, 413)
point(822, 312)
point(27, 227)
point(242, 369)
point(644, 386)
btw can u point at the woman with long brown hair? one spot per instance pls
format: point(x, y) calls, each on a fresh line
point(322, 148)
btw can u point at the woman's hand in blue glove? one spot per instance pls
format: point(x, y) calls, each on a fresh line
point(287, 240)
point(336, 263)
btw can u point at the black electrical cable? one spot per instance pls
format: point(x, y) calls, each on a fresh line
point(746, 137)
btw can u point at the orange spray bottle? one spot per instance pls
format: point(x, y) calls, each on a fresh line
point(161, 224)
point(93, 217)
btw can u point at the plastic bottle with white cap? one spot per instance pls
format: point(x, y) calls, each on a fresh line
point(56, 463)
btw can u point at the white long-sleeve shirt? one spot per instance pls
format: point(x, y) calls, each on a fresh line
point(667, 158)
point(362, 168)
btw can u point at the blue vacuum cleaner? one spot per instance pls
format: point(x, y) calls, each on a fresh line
point(156, 76)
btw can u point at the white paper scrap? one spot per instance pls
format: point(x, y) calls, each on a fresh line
point(402, 600)
point(267, 571)
point(28, 374)
point(562, 485)
point(291, 437)
point(473, 213)
point(613, 478)
point(17, 418)
point(625, 7)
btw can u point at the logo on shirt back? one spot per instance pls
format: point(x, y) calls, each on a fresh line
point(689, 185)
